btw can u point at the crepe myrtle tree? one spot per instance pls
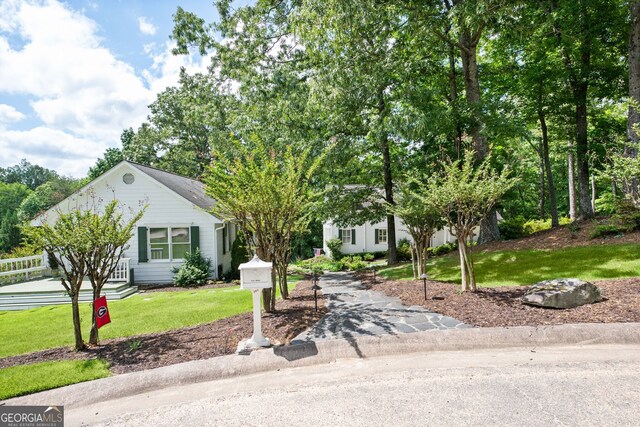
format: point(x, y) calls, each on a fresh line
point(422, 219)
point(108, 234)
point(464, 194)
point(267, 191)
point(84, 243)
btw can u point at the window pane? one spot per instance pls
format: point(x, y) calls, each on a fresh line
point(180, 235)
point(158, 235)
point(159, 251)
point(179, 250)
point(345, 236)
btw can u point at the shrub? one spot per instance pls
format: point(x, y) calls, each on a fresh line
point(353, 263)
point(605, 230)
point(404, 250)
point(512, 228)
point(443, 249)
point(194, 270)
point(368, 257)
point(334, 246)
point(239, 254)
point(626, 216)
point(535, 225)
point(319, 263)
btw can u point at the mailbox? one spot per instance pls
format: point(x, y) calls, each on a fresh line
point(255, 274)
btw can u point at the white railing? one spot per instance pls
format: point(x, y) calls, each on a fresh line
point(121, 273)
point(17, 269)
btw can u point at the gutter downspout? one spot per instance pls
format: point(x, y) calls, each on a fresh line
point(215, 240)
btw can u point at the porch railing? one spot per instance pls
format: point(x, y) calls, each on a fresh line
point(17, 269)
point(121, 273)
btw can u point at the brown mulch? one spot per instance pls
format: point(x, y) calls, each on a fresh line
point(561, 237)
point(213, 339)
point(491, 307)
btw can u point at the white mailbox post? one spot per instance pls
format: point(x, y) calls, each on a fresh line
point(255, 275)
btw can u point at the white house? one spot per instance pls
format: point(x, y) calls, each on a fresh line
point(176, 221)
point(373, 237)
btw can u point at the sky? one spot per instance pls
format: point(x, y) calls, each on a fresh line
point(74, 74)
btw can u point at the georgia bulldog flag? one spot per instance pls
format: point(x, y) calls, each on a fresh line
point(102, 312)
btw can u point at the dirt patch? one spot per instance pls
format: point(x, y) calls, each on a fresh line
point(198, 342)
point(491, 307)
point(561, 237)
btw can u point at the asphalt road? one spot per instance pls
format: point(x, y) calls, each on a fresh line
point(595, 385)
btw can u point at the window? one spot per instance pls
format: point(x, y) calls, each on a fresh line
point(348, 236)
point(169, 243)
point(381, 235)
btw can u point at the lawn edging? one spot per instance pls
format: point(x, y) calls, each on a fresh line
point(307, 354)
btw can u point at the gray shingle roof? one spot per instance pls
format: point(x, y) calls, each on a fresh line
point(190, 189)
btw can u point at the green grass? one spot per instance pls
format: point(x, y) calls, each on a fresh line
point(49, 327)
point(26, 379)
point(508, 268)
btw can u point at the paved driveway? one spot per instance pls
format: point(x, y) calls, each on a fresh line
point(355, 311)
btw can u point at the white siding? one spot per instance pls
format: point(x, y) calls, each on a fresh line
point(164, 208)
point(365, 237)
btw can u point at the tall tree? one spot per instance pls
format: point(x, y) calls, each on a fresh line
point(268, 193)
point(589, 38)
point(633, 120)
point(25, 173)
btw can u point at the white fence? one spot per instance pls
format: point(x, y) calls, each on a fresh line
point(14, 270)
point(121, 273)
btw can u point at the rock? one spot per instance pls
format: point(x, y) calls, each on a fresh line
point(562, 293)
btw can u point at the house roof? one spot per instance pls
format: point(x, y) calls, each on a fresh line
point(190, 189)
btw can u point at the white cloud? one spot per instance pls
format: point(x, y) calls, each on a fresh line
point(81, 92)
point(9, 114)
point(146, 27)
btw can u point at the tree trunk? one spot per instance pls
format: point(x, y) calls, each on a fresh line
point(541, 207)
point(414, 260)
point(553, 204)
point(582, 151)
point(593, 193)
point(571, 179)
point(463, 266)
point(633, 120)
point(489, 230)
point(453, 99)
point(392, 253)
point(466, 266)
point(77, 331)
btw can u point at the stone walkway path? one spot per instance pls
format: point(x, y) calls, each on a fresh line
point(356, 311)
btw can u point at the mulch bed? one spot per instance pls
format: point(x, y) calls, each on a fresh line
point(561, 237)
point(491, 307)
point(213, 339)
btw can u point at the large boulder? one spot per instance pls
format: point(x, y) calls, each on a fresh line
point(562, 293)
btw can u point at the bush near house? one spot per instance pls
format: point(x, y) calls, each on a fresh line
point(194, 271)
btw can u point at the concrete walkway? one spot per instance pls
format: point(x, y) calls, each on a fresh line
point(355, 311)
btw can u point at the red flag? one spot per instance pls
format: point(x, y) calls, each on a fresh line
point(102, 312)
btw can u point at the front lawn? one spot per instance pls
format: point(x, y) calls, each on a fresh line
point(20, 380)
point(48, 327)
point(524, 267)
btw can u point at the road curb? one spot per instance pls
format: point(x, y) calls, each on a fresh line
point(307, 354)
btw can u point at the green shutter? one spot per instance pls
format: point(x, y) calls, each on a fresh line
point(142, 245)
point(195, 237)
point(376, 236)
point(353, 236)
point(224, 240)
